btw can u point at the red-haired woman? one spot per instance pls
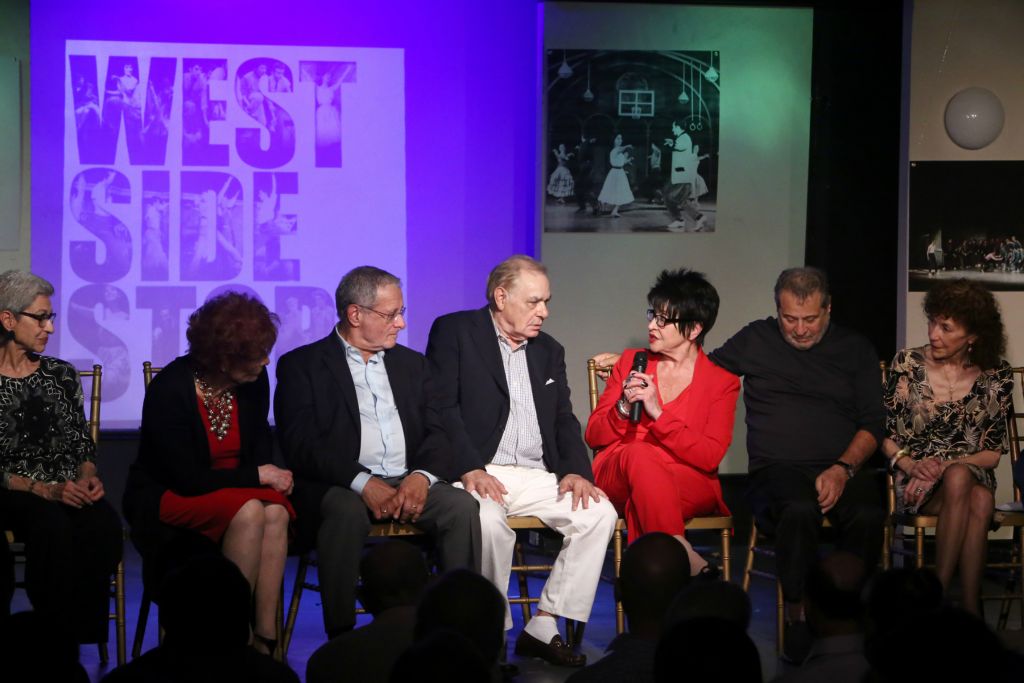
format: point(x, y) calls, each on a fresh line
point(205, 456)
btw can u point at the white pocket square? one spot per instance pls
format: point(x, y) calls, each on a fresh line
point(550, 381)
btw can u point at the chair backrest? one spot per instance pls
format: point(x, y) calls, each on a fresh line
point(1015, 426)
point(95, 393)
point(592, 387)
point(148, 371)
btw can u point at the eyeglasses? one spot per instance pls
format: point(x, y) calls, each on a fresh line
point(41, 318)
point(388, 317)
point(660, 319)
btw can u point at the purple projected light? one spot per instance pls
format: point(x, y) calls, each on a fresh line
point(192, 169)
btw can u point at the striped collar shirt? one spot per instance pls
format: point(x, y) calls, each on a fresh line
point(521, 442)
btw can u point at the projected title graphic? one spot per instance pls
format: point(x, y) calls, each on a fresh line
point(194, 169)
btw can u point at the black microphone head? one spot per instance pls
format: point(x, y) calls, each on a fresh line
point(640, 361)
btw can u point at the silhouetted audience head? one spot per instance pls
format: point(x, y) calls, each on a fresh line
point(467, 603)
point(832, 594)
point(34, 647)
point(654, 569)
point(947, 644)
point(897, 596)
point(718, 599)
point(205, 605)
point(443, 655)
point(706, 649)
point(393, 574)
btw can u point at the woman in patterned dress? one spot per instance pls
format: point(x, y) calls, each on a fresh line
point(52, 497)
point(946, 408)
point(204, 460)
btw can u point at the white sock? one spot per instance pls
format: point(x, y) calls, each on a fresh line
point(543, 628)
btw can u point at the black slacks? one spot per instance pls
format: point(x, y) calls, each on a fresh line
point(450, 516)
point(785, 505)
point(70, 554)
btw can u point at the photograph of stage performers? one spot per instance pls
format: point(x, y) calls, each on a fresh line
point(964, 223)
point(634, 141)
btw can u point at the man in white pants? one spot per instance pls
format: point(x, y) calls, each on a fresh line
point(504, 401)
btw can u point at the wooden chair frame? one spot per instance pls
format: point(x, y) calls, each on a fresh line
point(117, 593)
point(723, 524)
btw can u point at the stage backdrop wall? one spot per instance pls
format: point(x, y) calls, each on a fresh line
point(183, 147)
point(958, 45)
point(600, 281)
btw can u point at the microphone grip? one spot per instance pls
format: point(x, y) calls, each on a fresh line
point(639, 365)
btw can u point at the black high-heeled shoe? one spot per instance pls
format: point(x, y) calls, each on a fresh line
point(710, 572)
point(269, 643)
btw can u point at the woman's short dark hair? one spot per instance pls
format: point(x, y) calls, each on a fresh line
point(689, 297)
point(230, 330)
point(971, 305)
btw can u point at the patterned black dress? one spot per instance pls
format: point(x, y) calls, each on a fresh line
point(927, 426)
point(70, 552)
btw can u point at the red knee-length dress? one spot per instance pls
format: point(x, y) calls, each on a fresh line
point(659, 473)
point(211, 513)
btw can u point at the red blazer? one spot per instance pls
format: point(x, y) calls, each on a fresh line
point(695, 427)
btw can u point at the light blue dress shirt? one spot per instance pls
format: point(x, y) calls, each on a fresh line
point(382, 440)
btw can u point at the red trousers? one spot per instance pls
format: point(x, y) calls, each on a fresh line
point(653, 490)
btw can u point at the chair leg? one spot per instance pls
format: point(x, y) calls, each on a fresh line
point(726, 557)
point(620, 613)
point(887, 546)
point(140, 624)
point(293, 609)
point(780, 618)
point(751, 544)
point(919, 547)
point(104, 654)
point(524, 586)
point(119, 615)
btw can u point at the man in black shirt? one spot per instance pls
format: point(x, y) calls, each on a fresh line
point(814, 416)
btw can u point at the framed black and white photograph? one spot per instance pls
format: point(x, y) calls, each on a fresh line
point(632, 141)
point(965, 222)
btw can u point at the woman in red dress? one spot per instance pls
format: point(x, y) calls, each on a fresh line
point(205, 456)
point(663, 470)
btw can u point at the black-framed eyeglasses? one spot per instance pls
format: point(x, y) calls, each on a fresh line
point(660, 319)
point(41, 318)
point(388, 317)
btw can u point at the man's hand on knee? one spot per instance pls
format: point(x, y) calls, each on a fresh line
point(830, 485)
point(411, 498)
point(379, 498)
point(484, 485)
point(581, 489)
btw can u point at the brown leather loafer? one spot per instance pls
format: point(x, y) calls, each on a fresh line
point(556, 652)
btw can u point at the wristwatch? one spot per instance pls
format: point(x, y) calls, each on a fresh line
point(850, 469)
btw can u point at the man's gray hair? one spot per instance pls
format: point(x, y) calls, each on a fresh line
point(359, 286)
point(802, 282)
point(507, 272)
point(18, 289)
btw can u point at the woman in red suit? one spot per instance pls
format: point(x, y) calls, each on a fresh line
point(204, 460)
point(663, 470)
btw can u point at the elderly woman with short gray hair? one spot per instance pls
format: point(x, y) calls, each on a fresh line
point(51, 495)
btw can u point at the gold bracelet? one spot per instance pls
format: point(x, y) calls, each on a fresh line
point(901, 453)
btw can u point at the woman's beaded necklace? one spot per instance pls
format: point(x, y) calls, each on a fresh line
point(219, 407)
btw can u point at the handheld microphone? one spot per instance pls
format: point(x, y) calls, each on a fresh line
point(639, 365)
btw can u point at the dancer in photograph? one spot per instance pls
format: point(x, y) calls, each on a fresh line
point(615, 190)
point(328, 116)
point(560, 184)
point(681, 190)
point(584, 176)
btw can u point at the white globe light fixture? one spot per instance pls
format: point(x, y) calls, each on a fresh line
point(974, 118)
